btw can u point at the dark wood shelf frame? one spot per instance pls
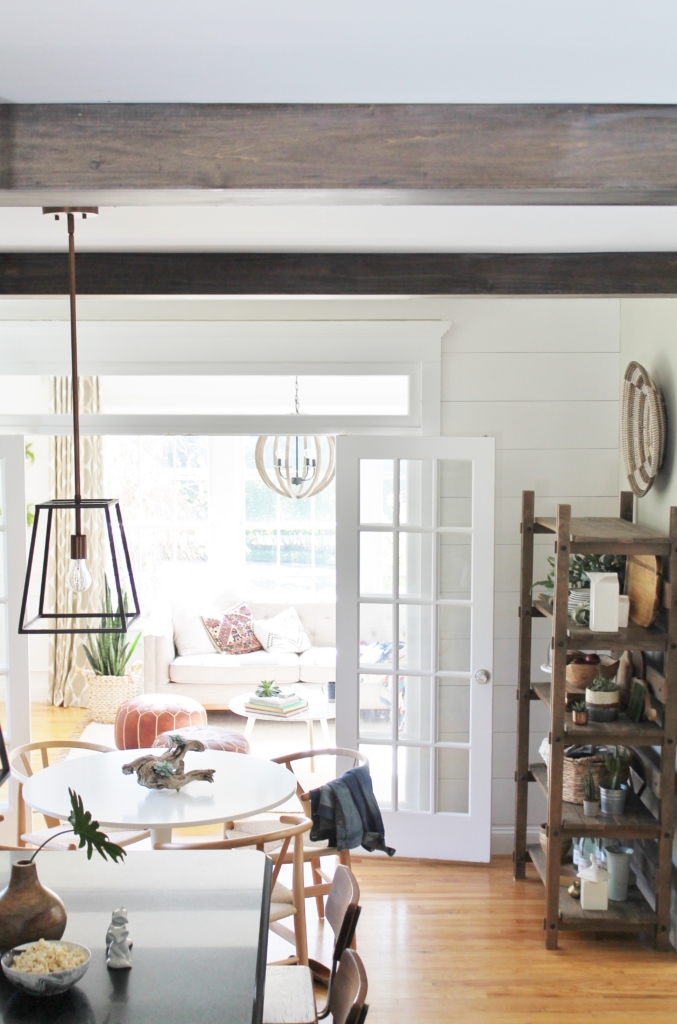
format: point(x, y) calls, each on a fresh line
point(594, 536)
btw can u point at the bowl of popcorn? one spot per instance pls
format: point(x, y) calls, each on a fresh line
point(46, 967)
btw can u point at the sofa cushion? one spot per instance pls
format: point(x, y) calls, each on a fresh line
point(283, 633)
point(235, 668)
point(234, 633)
point(318, 665)
point(190, 635)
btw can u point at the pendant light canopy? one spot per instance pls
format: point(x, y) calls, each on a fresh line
point(99, 585)
point(296, 468)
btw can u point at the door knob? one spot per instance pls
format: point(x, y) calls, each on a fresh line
point(482, 675)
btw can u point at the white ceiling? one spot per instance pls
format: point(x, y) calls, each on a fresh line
point(349, 229)
point(348, 51)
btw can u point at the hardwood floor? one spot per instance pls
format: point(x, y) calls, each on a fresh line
point(448, 942)
point(456, 942)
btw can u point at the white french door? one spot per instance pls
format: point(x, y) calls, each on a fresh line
point(15, 706)
point(415, 564)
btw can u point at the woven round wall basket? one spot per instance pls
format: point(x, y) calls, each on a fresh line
point(644, 429)
point(107, 693)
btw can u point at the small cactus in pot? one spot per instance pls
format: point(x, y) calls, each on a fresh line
point(602, 699)
point(579, 711)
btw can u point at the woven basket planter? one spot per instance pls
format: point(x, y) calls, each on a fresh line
point(107, 693)
point(575, 771)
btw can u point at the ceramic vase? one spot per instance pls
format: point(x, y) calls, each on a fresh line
point(618, 866)
point(28, 910)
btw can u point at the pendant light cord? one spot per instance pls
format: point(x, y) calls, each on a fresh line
point(74, 368)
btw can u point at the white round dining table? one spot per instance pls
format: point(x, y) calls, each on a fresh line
point(243, 786)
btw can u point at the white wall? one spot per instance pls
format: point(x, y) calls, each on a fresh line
point(541, 375)
point(302, 51)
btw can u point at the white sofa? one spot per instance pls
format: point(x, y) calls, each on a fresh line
point(213, 679)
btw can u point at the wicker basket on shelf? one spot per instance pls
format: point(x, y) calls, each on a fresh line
point(575, 771)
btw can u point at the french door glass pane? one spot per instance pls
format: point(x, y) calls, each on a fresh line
point(416, 492)
point(416, 636)
point(453, 772)
point(416, 565)
point(3, 571)
point(375, 707)
point(376, 634)
point(381, 769)
point(376, 491)
point(455, 566)
point(453, 710)
point(454, 638)
point(455, 490)
point(376, 563)
point(415, 699)
point(413, 778)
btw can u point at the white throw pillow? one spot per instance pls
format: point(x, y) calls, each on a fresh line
point(190, 636)
point(284, 633)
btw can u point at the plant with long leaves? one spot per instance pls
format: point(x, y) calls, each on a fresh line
point(616, 765)
point(112, 651)
point(87, 831)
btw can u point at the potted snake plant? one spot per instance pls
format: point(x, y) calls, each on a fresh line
point(110, 682)
point(614, 791)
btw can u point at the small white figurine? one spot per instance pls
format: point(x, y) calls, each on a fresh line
point(117, 941)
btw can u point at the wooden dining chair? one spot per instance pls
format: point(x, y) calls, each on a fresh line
point(284, 902)
point(21, 764)
point(313, 851)
point(343, 911)
point(287, 1003)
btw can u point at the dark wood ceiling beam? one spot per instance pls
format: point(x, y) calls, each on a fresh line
point(513, 153)
point(169, 274)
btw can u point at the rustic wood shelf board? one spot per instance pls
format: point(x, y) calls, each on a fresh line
point(637, 823)
point(632, 638)
point(623, 731)
point(592, 535)
point(649, 826)
point(633, 915)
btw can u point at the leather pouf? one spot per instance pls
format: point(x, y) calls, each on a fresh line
point(213, 737)
point(141, 719)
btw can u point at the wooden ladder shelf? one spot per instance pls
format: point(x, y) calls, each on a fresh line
point(653, 832)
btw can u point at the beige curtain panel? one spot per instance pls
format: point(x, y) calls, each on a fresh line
point(67, 684)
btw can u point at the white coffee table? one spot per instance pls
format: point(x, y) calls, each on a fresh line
point(318, 710)
point(243, 786)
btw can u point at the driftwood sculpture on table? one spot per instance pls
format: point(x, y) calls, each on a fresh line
point(167, 770)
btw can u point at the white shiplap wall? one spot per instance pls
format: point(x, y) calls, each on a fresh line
point(541, 375)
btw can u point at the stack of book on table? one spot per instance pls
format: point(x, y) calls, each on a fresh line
point(284, 706)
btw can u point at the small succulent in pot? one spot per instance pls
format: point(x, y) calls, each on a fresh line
point(267, 688)
point(579, 711)
point(614, 792)
point(602, 699)
point(590, 795)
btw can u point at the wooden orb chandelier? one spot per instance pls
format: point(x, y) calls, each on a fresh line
point(296, 469)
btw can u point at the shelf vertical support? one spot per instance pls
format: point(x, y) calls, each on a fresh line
point(664, 876)
point(557, 711)
point(524, 684)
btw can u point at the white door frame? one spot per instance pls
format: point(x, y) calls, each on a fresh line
point(438, 835)
point(16, 666)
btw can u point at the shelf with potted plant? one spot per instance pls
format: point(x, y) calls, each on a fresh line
point(649, 822)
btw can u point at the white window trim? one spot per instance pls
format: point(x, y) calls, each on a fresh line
point(182, 349)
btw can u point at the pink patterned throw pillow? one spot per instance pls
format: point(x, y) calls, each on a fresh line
point(234, 633)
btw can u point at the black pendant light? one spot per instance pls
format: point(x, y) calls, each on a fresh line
point(120, 604)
